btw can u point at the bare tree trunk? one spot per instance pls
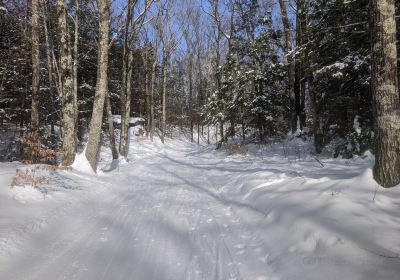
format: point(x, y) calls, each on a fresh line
point(291, 66)
point(300, 62)
point(126, 107)
point(190, 70)
point(75, 64)
point(48, 56)
point(384, 85)
point(35, 67)
point(113, 147)
point(69, 139)
point(164, 94)
point(306, 76)
point(153, 80)
point(126, 84)
point(93, 145)
point(318, 137)
point(147, 92)
point(48, 48)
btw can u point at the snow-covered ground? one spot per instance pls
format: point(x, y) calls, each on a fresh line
point(183, 211)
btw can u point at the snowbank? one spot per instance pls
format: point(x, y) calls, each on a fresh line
point(81, 164)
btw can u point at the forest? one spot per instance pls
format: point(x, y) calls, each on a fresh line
point(248, 95)
point(258, 69)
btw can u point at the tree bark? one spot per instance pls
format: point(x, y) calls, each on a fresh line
point(48, 48)
point(93, 146)
point(69, 139)
point(190, 73)
point(318, 136)
point(35, 67)
point(153, 81)
point(385, 96)
point(126, 107)
point(300, 61)
point(75, 65)
point(291, 66)
point(164, 94)
point(147, 91)
point(126, 84)
point(113, 147)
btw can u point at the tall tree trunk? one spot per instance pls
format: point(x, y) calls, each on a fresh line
point(48, 48)
point(305, 76)
point(164, 94)
point(318, 137)
point(153, 81)
point(35, 67)
point(126, 107)
point(93, 145)
point(126, 85)
point(49, 60)
point(385, 96)
point(147, 90)
point(75, 65)
point(190, 72)
point(113, 147)
point(300, 61)
point(291, 66)
point(69, 139)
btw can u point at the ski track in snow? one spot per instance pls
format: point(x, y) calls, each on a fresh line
point(184, 212)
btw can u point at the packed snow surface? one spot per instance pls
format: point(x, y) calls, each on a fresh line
point(183, 211)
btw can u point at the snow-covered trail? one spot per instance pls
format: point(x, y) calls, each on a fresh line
point(181, 211)
point(156, 218)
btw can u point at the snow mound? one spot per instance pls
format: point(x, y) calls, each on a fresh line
point(82, 164)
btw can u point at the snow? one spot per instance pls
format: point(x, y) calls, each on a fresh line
point(82, 164)
point(186, 211)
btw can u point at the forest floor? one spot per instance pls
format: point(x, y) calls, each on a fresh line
point(184, 211)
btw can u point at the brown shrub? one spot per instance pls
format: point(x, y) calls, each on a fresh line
point(33, 176)
point(34, 152)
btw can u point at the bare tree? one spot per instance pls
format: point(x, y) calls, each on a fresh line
point(219, 36)
point(188, 36)
point(169, 45)
point(132, 22)
point(93, 145)
point(126, 81)
point(147, 88)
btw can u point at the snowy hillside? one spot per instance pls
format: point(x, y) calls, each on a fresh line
point(183, 211)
